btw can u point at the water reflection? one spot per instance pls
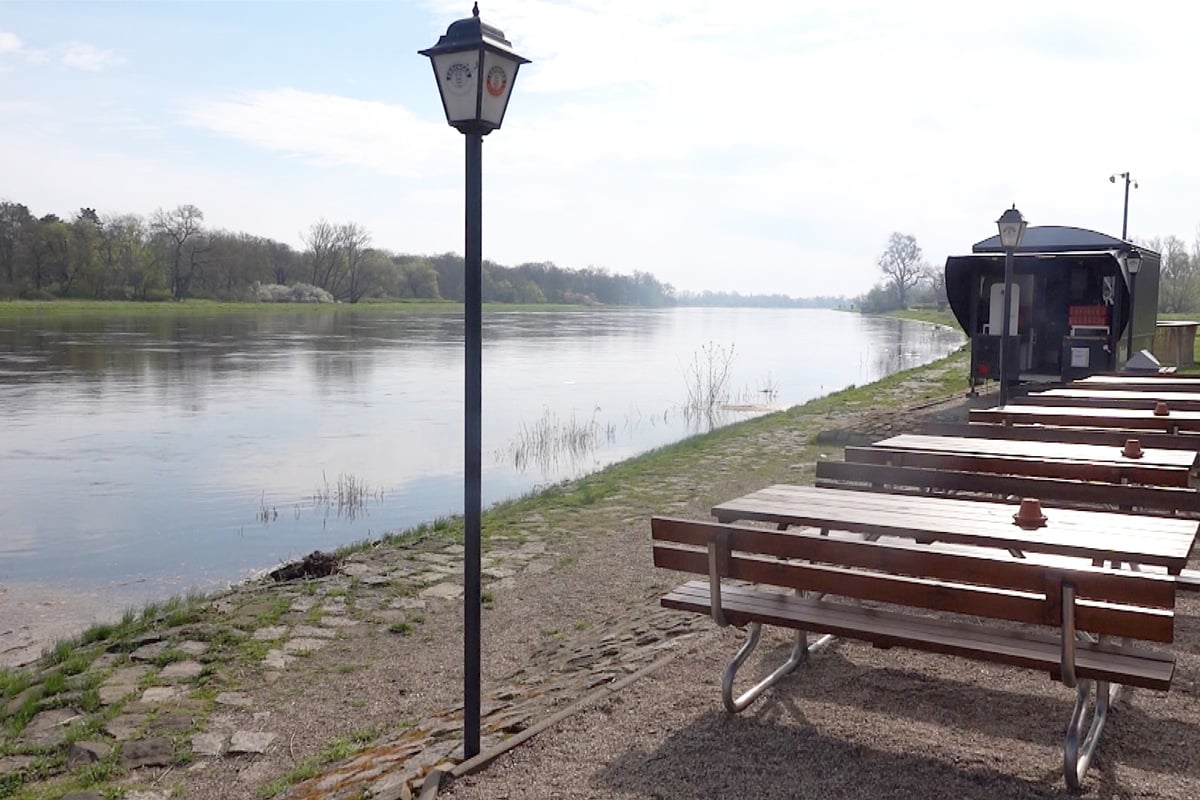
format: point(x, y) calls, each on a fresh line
point(145, 449)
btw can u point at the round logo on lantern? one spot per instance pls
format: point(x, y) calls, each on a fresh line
point(497, 80)
point(459, 78)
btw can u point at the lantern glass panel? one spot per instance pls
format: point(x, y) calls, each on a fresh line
point(499, 73)
point(1010, 234)
point(458, 81)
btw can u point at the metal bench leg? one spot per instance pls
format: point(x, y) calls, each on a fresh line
point(799, 653)
point(800, 650)
point(1077, 755)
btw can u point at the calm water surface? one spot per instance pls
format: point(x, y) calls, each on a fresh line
point(155, 454)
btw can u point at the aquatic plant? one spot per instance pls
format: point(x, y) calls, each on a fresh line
point(549, 440)
point(706, 378)
point(348, 497)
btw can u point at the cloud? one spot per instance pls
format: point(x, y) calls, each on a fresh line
point(9, 43)
point(326, 129)
point(86, 57)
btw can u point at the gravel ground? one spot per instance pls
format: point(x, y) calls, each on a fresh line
point(854, 722)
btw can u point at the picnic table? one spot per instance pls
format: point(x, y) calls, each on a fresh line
point(1084, 417)
point(974, 559)
point(1085, 462)
point(1095, 397)
point(1094, 535)
point(1152, 382)
point(1114, 437)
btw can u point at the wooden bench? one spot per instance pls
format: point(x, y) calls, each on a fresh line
point(1056, 619)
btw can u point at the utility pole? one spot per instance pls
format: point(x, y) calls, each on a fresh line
point(1125, 214)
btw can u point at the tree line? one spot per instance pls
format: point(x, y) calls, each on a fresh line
point(172, 255)
point(1179, 273)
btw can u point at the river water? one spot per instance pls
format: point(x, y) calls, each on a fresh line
point(153, 453)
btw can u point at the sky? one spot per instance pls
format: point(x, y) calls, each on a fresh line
point(763, 146)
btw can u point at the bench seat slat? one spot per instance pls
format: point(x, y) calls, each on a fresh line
point(1130, 666)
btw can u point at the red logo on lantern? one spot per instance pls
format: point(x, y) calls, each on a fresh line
point(497, 80)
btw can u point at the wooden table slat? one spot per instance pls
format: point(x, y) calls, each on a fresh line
point(1160, 541)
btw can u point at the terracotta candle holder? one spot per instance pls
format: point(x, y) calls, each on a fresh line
point(1160, 409)
point(1132, 449)
point(1030, 515)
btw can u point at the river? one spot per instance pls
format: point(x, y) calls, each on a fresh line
point(146, 454)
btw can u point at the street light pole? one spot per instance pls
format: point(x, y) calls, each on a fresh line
point(475, 68)
point(1125, 214)
point(473, 445)
point(1012, 228)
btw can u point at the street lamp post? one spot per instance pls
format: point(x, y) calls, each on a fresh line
point(1125, 213)
point(475, 68)
point(1133, 262)
point(1012, 228)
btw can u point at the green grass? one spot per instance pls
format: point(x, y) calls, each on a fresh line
point(124, 309)
point(946, 317)
point(13, 682)
point(339, 749)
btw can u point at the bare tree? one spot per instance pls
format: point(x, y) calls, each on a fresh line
point(322, 254)
point(901, 264)
point(353, 240)
point(184, 231)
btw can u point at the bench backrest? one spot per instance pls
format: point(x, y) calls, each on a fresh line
point(961, 580)
point(1160, 501)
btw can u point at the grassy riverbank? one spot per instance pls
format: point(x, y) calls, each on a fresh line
point(314, 663)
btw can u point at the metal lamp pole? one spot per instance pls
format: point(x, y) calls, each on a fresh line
point(1133, 263)
point(1012, 228)
point(1125, 213)
point(475, 68)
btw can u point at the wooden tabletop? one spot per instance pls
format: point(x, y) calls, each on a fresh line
point(1113, 437)
point(1035, 459)
point(1156, 383)
point(1083, 417)
point(1160, 541)
point(1097, 397)
point(1047, 451)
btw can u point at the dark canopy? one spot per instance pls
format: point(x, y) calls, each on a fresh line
point(1055, 239)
